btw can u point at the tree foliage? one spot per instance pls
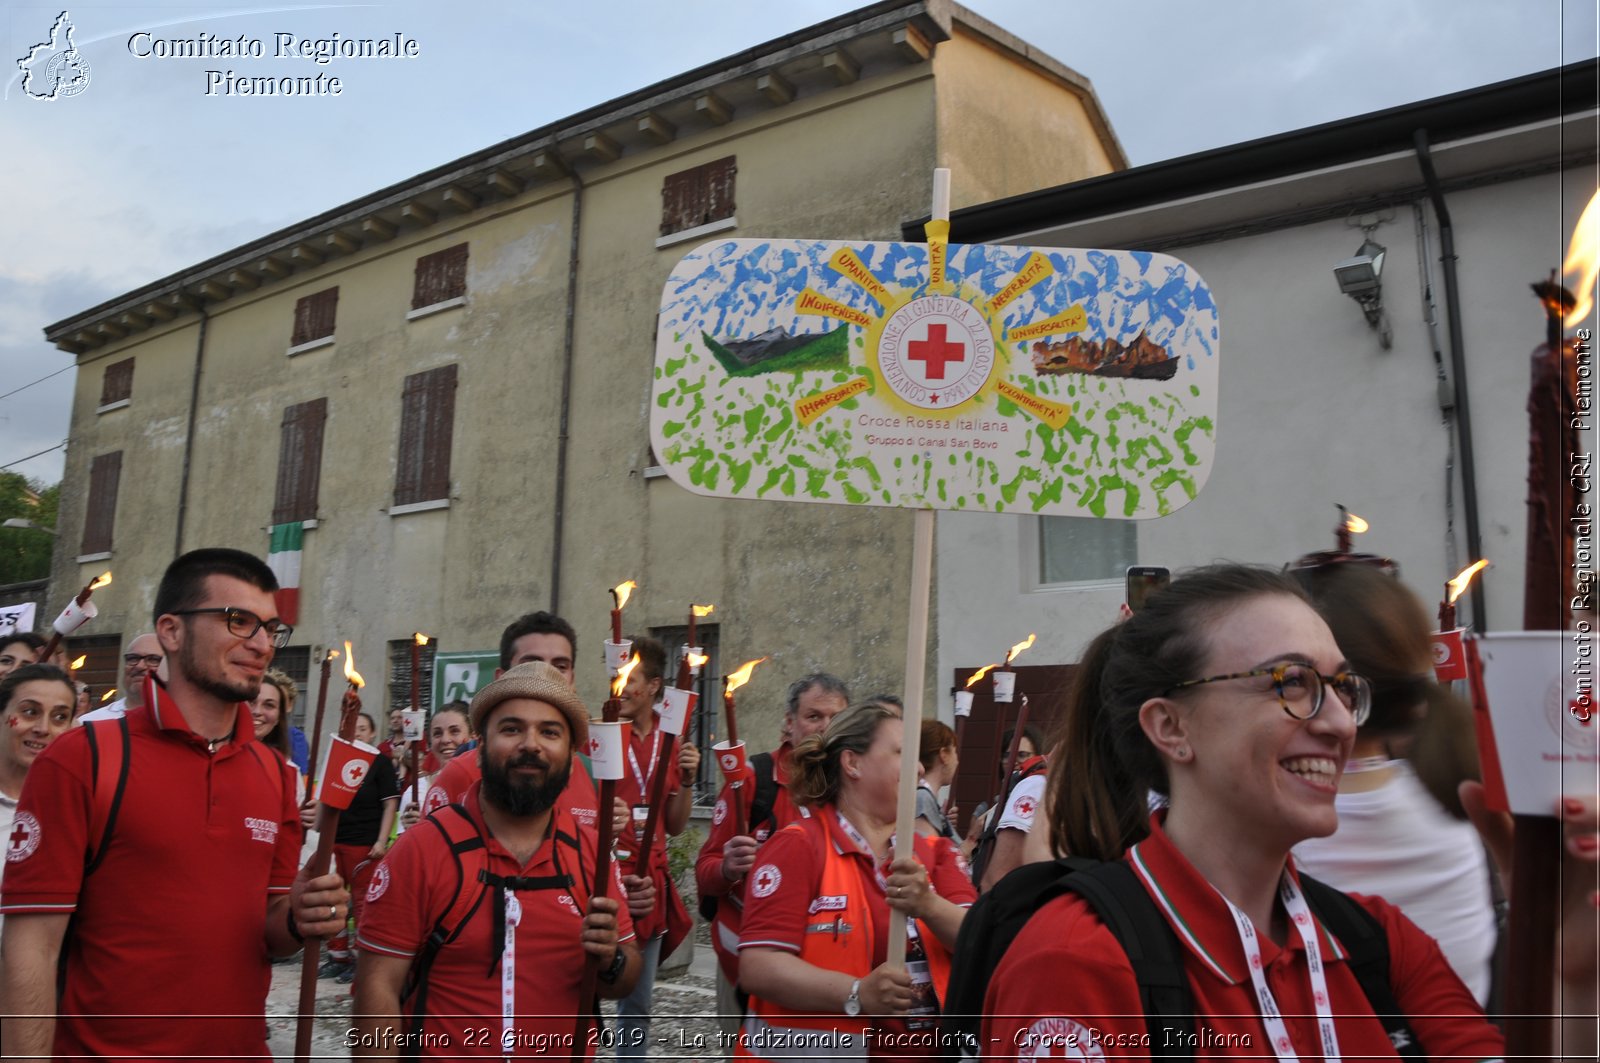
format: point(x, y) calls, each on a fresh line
point(25, 552)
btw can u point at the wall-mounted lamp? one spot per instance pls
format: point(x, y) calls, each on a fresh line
point(1360, 277)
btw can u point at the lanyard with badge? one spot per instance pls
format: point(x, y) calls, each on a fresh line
point(925, 1002)
point(1271, 1017)
point(508, 975)
point(641, 811)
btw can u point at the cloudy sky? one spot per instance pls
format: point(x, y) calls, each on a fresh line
point(143, 173)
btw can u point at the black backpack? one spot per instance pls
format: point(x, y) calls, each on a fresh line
point(766, 796)
point(1118, 898)
point(983, 848)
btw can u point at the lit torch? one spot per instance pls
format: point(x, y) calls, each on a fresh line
point(610, 713)
point(108, 695)
point(963, 706)
point(732, 682)
point(418, 640)
point(1556, 506)
point(1455, 588)
point(1022, 713)
point(619, 597)
point(78, 612)
point(316, 728)
point(348, 774)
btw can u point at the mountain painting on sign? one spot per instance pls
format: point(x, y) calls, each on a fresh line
point(1050, 380)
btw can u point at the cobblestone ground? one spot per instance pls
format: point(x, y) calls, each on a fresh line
point(684, 1028)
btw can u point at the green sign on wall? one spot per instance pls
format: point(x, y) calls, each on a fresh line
point(459, 675)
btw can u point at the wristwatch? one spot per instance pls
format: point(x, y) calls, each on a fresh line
point(852, 1003)
point(612, 973)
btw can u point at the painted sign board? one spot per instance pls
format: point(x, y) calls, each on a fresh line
point(969, 376)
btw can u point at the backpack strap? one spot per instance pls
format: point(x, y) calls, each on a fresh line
point(469, 857)
point(1114, 892)
point(1364, 938)
point(766, 795)
point(109, 756)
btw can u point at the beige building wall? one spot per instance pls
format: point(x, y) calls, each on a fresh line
point(1009, 124)
point(814, 587)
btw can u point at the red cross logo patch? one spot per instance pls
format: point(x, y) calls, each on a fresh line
point(936, 352)
point(765, 881)
point(23, 841)
point(1025, 807)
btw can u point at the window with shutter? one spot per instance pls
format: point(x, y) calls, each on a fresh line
point(314, 316)
point(400, 677)
point(117, 385)
point(691, 198)
point(427, 417)
point(105, 472)
point(440, 276)
point(300, 461)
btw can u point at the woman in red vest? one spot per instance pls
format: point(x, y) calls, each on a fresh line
point(818, 906)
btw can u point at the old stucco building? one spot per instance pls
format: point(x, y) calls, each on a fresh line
point(448, 379)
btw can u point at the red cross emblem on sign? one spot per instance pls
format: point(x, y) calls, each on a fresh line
point(936, 352)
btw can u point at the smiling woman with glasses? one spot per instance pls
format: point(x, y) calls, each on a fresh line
point(1227, 694)
point(243, 624)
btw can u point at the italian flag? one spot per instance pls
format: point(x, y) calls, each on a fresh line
point(283, 557)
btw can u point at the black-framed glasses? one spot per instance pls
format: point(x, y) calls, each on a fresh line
point(149, 660)
point(243, 624)
point(1300, 689)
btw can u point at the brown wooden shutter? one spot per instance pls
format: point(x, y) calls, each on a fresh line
point(400, 678)
point(105, 472)
point(314, 316)
point(698, 196)
point(427, 418)
point(300, 461)
point(440, 276)
point(118, 382)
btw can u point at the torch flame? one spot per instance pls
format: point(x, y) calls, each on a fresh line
point(1583, 260)
point(702, 610)
point(1355, 525)
point(980, 673)
point(738, 679)
point(332, 653)
point(78, 663)
point(100, 580)
point(622, 676)
point(350, 672)
point(1458, 586)
point(698, 660)
point(107, 695)
point(1019, 647)
point(419, 638)
point(622, 591)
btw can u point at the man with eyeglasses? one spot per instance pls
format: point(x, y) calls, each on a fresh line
point(142, 657)
point(187, 893)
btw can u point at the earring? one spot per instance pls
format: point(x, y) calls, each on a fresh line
point(1182, 752)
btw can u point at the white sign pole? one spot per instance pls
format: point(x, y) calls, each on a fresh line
point(916, 655)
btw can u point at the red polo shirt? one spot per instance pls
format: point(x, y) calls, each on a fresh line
point(1088, 1005)
point(415, 886)
point(708, 865)
point(173, 922)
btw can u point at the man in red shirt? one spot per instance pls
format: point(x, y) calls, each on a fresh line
point(499, 881)
point(539, 636)
point(726, 858)
point(194, 889)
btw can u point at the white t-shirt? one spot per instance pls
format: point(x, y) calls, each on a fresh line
point(1026, 797)
point(1395, 842)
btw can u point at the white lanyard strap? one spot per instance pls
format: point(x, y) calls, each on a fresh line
point(645, 777)
point(1271, 1017)
point(861, 843)
point(508, 975)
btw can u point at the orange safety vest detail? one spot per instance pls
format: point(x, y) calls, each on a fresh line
point(839, 936)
